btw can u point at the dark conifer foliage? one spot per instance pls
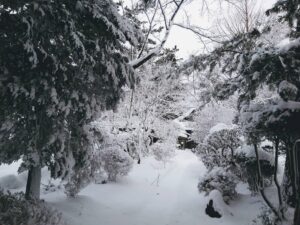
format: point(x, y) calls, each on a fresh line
point(61, 63)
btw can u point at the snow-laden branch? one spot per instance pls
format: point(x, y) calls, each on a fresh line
point(140, 61)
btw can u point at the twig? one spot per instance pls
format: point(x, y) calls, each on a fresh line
point(156, 180)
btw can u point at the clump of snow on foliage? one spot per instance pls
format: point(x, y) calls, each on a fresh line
point(277, 34)
point(287, 90)
point(249, 152)
point(289, 45)
point(221, 126)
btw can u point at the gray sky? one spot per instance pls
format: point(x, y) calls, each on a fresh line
point(186, 41)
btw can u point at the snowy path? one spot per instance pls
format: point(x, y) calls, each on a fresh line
point(150, 195)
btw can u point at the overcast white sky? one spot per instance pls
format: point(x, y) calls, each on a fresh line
point(186, 41)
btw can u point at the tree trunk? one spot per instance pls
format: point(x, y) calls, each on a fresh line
point(297, 181)
point(33, 183)
point(288, 184)
point(297, 214)
point(281, 207)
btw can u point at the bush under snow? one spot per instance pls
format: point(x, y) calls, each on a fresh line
point(218, 147)
point(11, 182)
point(16, 210)
point(163, 151)
point(115, 162)
point(246, 159)
point(219, 179)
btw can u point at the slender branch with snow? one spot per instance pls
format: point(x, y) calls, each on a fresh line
point(168, 25)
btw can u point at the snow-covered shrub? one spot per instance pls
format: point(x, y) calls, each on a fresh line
point(83, 176)
point(106, 158)
point(115, 162)
point(210, 115)
point(15, 210)
point(50, 187)
point(162, 151)
point(247, 164)
point(218, 147)
point(78, 180)
point(116, 132)
point(219, 179)
point(10, 182)
point(88, 166)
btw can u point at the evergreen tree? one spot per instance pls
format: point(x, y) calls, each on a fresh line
point(262, 59)
point(61, 64)
point(276, 118)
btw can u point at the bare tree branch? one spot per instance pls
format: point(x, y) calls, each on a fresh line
point(242, 18)
point(150, 28)
point(168, 25)
point(163, 13)
point(196, 30)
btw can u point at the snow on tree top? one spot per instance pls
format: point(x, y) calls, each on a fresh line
point(221, 126)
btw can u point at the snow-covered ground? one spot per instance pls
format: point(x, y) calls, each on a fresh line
point(152, 194)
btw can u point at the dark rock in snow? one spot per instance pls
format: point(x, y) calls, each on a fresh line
point(210, 210)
